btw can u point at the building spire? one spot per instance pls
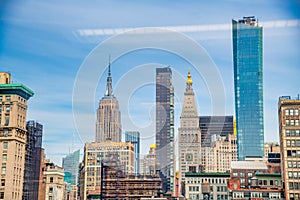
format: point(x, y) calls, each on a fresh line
point(189, 82)
point(109, 92)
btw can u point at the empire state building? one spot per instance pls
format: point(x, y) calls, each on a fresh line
point(108, 123)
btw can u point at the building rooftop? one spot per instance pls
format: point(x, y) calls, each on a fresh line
point(18, 89)
point(205, 174)
point(248, 165)
point(267, 174)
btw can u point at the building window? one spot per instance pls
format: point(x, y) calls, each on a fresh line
point(1, 195)
point(242, 174)
point(296, 112)
point(5, 145)
point(7, 98)
point(271, 182)
point(292, 122)
point(289, 164)
point(5, 132)
point(4, 157)
point(242, 181)
point(6, 121)
point(2, 182)
point(287, 133)
point(291, 112)
point(235, 174)
point(7, 109)
point(51, 190)
point(297, 122)
point(51, 179)
point(287, 112)
point(249, 174)
point(287, 122)
point(3, 171)
point(288, 143)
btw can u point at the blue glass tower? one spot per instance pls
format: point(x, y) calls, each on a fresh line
point(248, 86)
point(70, 164)
point(134, 137)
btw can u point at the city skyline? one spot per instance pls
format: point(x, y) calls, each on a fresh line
point(51, 68)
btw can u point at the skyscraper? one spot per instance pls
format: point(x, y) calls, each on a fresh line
point(33, 160)
point(108, 123)
point(70, 164)
point(214, 125)
point(134, 137)
point(165, 126)
point(289, 134)
point(13, 109)
point(248, 86)
point(189, 134)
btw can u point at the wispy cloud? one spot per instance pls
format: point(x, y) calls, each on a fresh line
point(184, 29)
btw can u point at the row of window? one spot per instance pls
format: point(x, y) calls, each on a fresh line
point(292, 122)
point(294, 196)
point(212, 181)
point(292, 132)
point(7, 98)
point(294, 186)
point(293, 153)
point(294, 174)
point(293, 143)
point(291, 112)
point(242, 174)
point(256, 195)
point(293, 164)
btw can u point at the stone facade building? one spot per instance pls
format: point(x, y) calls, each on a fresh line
point(108, 122)
point(13, 136)
point(90, 168)
point(289, 134)
point(189, 134)
point(222, 152)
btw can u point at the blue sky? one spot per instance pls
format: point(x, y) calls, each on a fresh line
point(42, 48)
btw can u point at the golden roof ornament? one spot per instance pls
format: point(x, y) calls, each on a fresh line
point(189, 78)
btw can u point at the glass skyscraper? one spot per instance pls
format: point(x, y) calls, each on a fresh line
point(33, 160)
point(248, 86)
point(70, 164)
point(134, 137)
point(165, 127)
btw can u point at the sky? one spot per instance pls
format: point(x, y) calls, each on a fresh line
point(55, 47)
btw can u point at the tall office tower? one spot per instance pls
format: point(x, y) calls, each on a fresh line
point(165, 126)
point(70, 163)
point(189, 134)
point(248, 86)
point(13, 108)
point(289, 134)
point(214, 125)
point(108, 124)
point(134, 137)
point(33, 160)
